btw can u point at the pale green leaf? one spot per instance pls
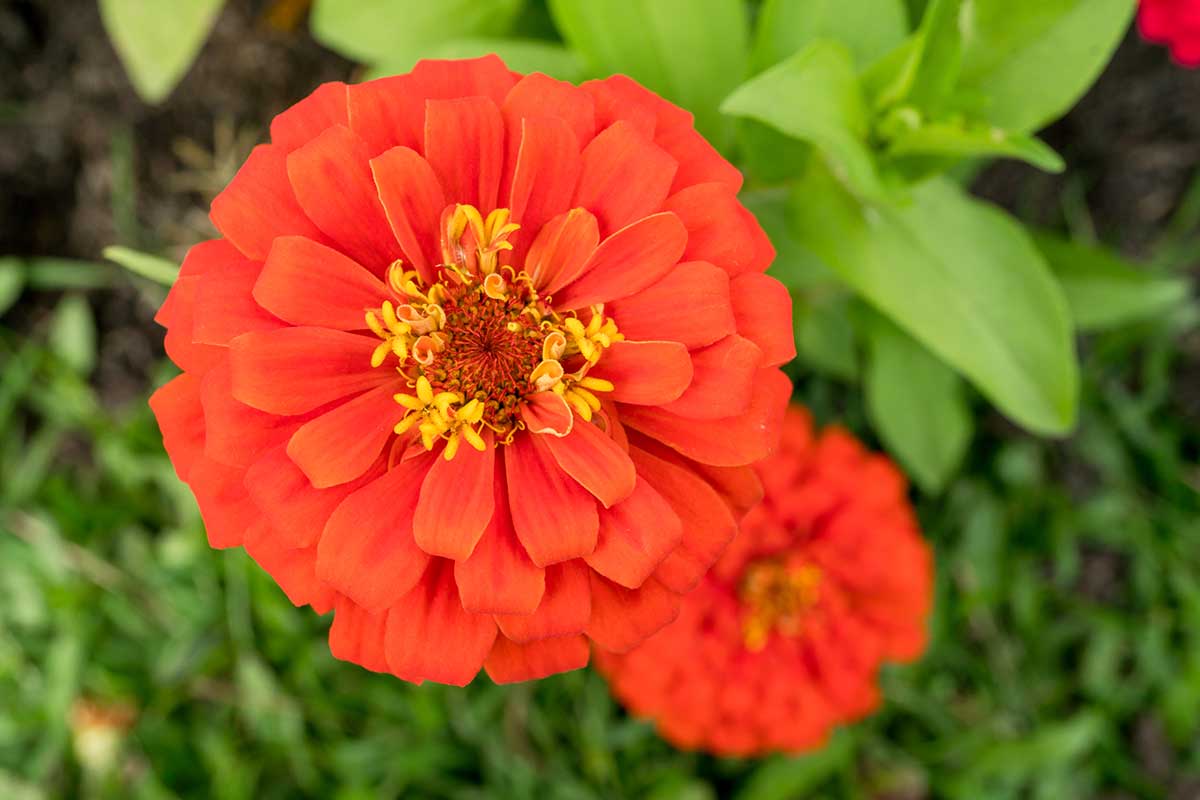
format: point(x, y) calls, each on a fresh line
point(917, 405)
point(814, 96)
point(401, 31)
point(73, 334)
point(1103, 290)
point(961, 140)
point(693, 52)
point(151, 267)
point(1031, 60)
point(157, 40)
point(868, 28)
point(966, 281)
point(12, 281)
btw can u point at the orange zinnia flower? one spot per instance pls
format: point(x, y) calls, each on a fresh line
point(782, 640)
point(479, 363)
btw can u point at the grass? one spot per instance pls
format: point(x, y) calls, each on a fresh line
point(1065, 661)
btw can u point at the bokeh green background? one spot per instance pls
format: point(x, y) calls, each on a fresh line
point(1065, 657)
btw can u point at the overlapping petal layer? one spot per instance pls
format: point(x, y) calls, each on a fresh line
point(357, 407)
point(783, 638)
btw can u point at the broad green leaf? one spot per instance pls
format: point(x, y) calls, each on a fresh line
point(73, 334)
point(962, 278)
point(157, 41)
point(1104, 291)
point(401, 31)
point(794, 265)
point(1031, 60)
point(824, 333)
point(963, 140)
point(917, 405)
point(521, 55)
point(869, 28)
point(940, 50)
point(154, 268)
point(814, 96)
point(12, 281)
point(693, 52)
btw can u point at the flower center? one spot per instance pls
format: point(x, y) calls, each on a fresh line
point(776, 597)
point(479, 340)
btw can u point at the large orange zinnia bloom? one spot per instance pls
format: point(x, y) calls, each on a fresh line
point(480, 363)
point(782, 640)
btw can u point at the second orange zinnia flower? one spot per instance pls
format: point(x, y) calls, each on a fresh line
point(481, 363)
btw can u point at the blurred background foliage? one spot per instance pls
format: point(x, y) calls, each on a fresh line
point(135, 662)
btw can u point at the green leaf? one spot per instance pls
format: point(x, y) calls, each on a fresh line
point(869, 28)
point(1033, 59)
point(12, 281)
point(521, 55)
point(962, 140)
point(402, 31)
point(795, 266)
point(917, 405)
point(939, 53)
point(157, 41)
point(784, 777)
point(814, 96)
point(962, 278)
point(825, 335)
point(154, 268)
point(73, 334)
point(66, 273)
point(1103, 290)
point(693, 52)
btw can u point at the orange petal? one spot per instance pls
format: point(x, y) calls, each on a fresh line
point(387, 113)
point(307, 283)
point(293, 370)
point(284, 495)
point(235, 433)
point(547, 412)
point(554, 518)
point(635, 536)
point(293, 569)
point(546, 166)
point(486, 76)
point(623, 618)
point(674, 132)
point(627, 262)
point(611, 107)
point(499, 578)
point(720, 229)
point(739, 487)
point(728, 442)
point(187, 355)
point(708, 525)
point(689, 305)
point(645, 373)
point(561, 249)
point(224, 306)
point(176, 406)
point(593, 459)
point(625, 176)
point(723, 382)
point(225, 506)
point(763, 309)
point(538, 95)
point(356, 635)
point(259, 205)
point(431, 637)
point(333, 184)
point(564, 609)
point(509, 662)
point(309, 118)
point(457, 502)
point(341, 444)
point(464, 143)
point(413, 200)
point(367, 551)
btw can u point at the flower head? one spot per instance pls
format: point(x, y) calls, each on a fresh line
point(783, 638)
point(1175, 23)
point(480, 363)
